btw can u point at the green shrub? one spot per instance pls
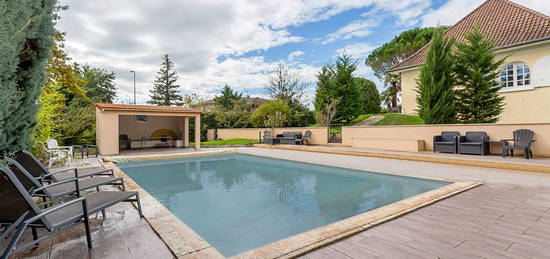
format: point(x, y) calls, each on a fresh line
point(262, 114)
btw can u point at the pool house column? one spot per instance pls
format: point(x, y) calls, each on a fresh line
point(186, 131)
point(197, 132)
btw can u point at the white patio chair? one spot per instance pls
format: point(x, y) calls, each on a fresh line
point(56, 152)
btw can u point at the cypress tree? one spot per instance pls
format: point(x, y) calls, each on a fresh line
point(165, 90)
point(436, 96)
point(372, 101)
point(476, 75)
point(26, 39)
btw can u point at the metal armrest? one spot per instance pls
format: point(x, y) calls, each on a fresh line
point(105, 172)
point(58, 207)
point(75, 180)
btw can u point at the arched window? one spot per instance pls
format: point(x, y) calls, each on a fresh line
point(515, 75)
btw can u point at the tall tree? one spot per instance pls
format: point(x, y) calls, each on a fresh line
point(477, 73)
point(231, 110)
point(392, 53)
point(61, 71)
point(436, 96)
point(371, 97)
point(100, 84)
point(285, 85)
point(227, 97)
point(337, 82)
point(165, 90)
point(26, 39)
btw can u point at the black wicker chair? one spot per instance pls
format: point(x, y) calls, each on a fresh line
point(269, 139)
point(474, 143)
point(523, 138)
point(446, 142)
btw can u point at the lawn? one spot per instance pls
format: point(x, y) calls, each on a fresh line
point(229, 142)
point(391, 119)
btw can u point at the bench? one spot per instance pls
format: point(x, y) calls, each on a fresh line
point(407, 145)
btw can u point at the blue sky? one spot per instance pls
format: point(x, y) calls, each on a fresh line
point(239, 42)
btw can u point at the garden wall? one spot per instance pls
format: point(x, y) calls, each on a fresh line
point(360, 136)
point(318, 135)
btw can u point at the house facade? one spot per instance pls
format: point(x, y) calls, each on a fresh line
point(522, 36)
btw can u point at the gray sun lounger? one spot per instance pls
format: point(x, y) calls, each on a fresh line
point(97, 199)
point(88, 180)
point(10, 236)
point(38, 170)
point(59, 189)
point(14, 200)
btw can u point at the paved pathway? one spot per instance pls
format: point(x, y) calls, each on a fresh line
point(491, 221)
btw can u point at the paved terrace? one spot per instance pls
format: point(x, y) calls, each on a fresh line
point(507, 217)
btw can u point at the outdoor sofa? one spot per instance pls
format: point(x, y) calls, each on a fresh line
point(289, 138)
point(474, 143)
point(447, 142)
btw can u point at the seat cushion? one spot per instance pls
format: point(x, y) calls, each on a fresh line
point(444, 143)
point(471, 143)
point(84, 184)
point(95, 202)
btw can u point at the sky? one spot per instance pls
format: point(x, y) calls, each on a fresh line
point(239, 42)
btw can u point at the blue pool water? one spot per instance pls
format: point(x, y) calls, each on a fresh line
point(239, 202)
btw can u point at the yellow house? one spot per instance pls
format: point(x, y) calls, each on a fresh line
point(520, 34)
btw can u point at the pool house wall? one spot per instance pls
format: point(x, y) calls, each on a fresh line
point(111, 122)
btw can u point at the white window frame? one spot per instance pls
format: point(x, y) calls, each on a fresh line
point(516, 76)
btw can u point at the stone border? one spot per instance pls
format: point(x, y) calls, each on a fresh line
point(185, 243)
point(419, 158)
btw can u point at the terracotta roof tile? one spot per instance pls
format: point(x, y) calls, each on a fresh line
point(111, 106)
point(504, 22)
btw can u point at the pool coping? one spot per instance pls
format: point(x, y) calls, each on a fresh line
point(185, 243)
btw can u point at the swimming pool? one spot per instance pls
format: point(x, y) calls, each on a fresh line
point(239, 202)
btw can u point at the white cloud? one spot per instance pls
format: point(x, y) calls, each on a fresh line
point(295, 54)
point(358, 28)
point(454, 10)
point(206, 39)
point(357, 50)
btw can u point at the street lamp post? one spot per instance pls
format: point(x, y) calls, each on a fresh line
point(134, 72)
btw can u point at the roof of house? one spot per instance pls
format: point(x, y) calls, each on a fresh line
point(506, 23)
point(144, 108)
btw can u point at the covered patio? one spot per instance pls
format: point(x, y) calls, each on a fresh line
point(122, 127)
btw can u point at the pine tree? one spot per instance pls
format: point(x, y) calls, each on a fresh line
point(337, 82)
point(436, 96)
point(476, 75)
point(26, 39)
point(165, 90)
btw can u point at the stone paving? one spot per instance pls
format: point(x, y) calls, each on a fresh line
point(507, 217)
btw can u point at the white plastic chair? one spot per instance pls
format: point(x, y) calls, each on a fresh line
point(56, 152)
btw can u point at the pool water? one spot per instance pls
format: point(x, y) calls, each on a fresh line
point(239, 202)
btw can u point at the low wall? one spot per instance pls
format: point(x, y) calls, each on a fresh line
point(318, 135)
point(426, 132)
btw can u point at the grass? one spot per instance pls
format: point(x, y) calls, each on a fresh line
point(229, 142)
point(391, 119)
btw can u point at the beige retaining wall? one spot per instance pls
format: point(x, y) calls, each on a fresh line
point(359, 136)
point(318, 135)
